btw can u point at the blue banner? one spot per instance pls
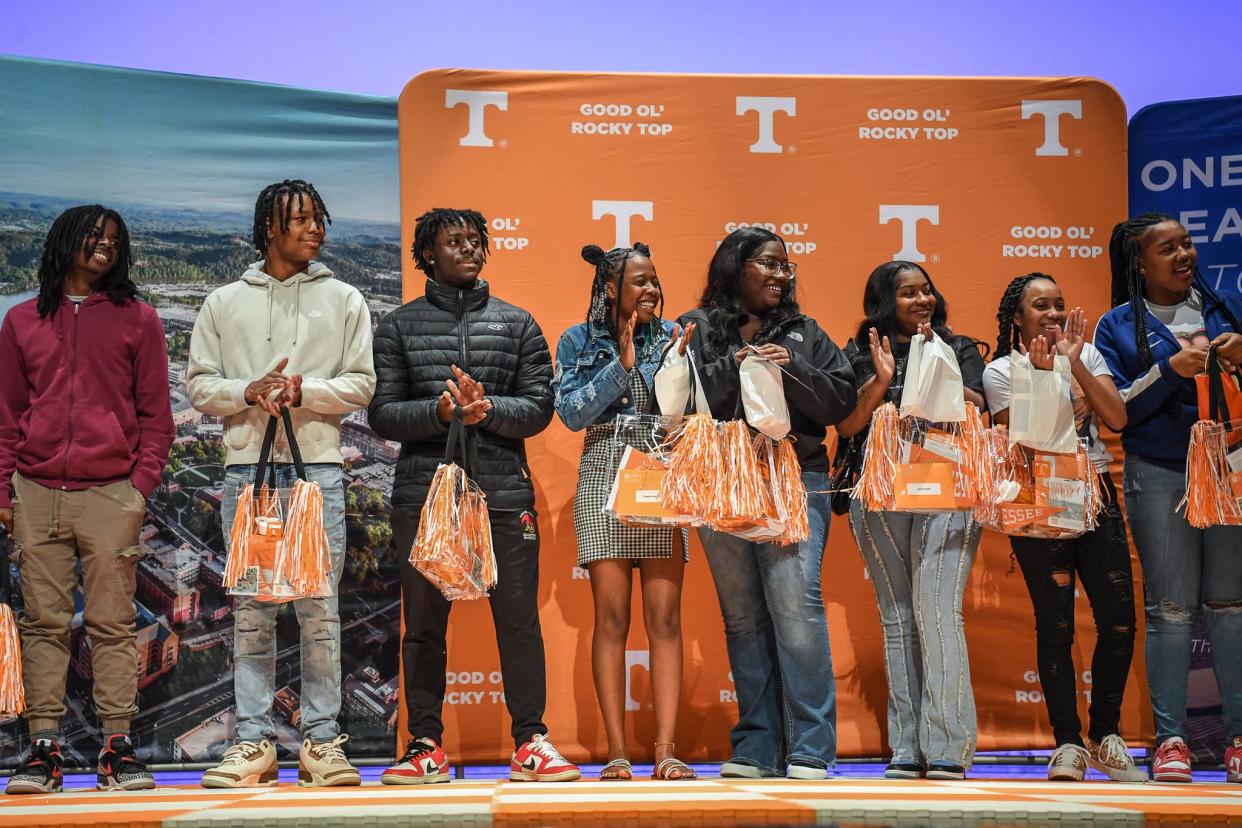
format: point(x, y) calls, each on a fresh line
point(1186, 160)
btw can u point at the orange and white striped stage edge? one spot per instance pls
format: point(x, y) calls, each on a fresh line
point(712, 802)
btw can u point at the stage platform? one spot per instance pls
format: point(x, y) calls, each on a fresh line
point(707, 802)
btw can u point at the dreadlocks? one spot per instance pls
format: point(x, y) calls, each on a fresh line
point(610, 269)
point(1009, 336)
point(275, 204)
point(75, 230)
point(430, 223)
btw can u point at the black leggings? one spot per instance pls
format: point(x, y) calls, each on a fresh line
point(1101, 560)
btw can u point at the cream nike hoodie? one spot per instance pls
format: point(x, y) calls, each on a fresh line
point(246, 327)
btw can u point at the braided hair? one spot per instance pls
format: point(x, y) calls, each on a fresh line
point(1009, 335)
point(610, 269)
point(430, 223)
point(274, 206)
point(69, 234)
point(721, 296)
point(1124, 257)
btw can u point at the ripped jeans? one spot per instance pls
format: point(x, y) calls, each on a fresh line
point(1185, 571)
point(1100, 559)
point(254, 624)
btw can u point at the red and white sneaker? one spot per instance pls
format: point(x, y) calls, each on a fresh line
point(538, 761)
point(1233, 760)
point(424, 762)
point(1172, 761)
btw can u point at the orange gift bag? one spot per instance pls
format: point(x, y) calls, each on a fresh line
point(1214, 460)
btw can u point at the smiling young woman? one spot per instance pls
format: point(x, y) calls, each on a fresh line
point(917, 563)
point(775, 629)
point(606, 367)
point(1155, 341)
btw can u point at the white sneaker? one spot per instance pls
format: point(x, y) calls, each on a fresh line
point(323, 764)
point(1068, 763)
point(796, 770)
point(245, 765)
point(1111, 757)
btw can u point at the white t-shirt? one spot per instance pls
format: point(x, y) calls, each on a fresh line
point(1184, 320)
point(996, 390)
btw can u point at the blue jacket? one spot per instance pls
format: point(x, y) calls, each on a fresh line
point(1160, 405)
point(589, 384)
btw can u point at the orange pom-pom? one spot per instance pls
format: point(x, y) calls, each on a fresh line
point(304, 556)
point(881, 454)
point(695, 470)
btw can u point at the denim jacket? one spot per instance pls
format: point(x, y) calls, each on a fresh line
point(589, 383)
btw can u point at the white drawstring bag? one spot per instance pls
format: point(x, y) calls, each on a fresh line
point(763, 396)
point(673, 383)
point(1041, 408)
point(933, 384)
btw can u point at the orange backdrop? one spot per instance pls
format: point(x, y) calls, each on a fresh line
point(980, 179)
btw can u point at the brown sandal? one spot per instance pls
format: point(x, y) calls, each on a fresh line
point(618, 770)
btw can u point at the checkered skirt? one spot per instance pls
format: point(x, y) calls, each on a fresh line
point(600, 535)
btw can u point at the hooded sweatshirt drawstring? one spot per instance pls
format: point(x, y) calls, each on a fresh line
point(269, 311)
point(297, 309)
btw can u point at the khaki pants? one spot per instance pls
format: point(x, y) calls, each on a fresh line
point(52, 528)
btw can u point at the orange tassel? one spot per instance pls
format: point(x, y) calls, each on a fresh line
point(240, 558)
point(453, 548)
point(792, 493)
point(1208, 500)
point(12, 691)
point(882, 451)
point(973, 474)
point(742, 497)
point(304, 557)
point(695, 479)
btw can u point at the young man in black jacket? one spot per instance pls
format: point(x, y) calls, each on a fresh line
point(460, 347)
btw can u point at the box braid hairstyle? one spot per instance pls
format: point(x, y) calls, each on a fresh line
point(430, 223)
point(720, 297)
point(1008, 336)
point(1124, 256)
point(610, 269)
point(73, 230)
point(275, 203)
point(880, 311)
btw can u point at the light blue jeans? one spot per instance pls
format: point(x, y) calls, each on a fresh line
point(254, 624)
point(919, 566)
point(776, 634)
point(1185, 571)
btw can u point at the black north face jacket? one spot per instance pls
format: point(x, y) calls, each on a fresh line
point(498, 344)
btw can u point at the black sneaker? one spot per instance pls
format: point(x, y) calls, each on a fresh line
point(41, 773)
point(904, 770)
point(940, 769)
point(119, 769)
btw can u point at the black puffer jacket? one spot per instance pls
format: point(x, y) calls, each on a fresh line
point(499, 345)
point(820, 388)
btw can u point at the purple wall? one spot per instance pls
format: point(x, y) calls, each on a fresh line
point(1150, 52)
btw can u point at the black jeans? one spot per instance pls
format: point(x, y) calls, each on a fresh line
point(515, 613)
point(1101, 560)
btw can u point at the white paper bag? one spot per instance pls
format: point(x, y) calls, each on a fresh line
point(933, 383)
point(672, 384)
point(763, 396)
point(1041, 410)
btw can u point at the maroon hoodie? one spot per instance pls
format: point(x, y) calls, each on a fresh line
point(83, 396)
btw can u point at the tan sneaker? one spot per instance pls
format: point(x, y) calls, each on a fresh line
point(323, 764)
point(1111, 757)
point(1068, 764)
point(245, 765)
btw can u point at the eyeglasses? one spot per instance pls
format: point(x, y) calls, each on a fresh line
point(772, 265)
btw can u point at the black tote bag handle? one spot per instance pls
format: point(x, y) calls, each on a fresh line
point(265, 451)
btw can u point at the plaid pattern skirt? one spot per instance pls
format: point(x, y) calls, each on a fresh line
point(600, 535)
